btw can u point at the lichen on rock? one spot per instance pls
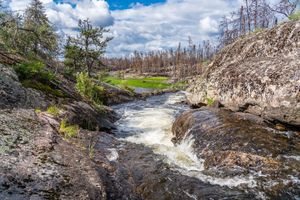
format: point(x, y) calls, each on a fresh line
point(259, 74)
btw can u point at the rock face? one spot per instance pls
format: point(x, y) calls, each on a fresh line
point(240, 144)
point(259, 74)
point(13, 95)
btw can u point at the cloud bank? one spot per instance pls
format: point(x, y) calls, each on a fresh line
point(155, 27)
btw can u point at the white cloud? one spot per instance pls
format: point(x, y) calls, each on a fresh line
point(65, 17)
point(163, 26)
point(208, 25)
point(155, 27)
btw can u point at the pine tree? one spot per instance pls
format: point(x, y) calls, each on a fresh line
point(91, 42)
point(38, 34)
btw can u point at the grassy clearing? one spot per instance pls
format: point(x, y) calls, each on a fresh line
point(147, 82)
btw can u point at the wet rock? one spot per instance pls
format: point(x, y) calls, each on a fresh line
point(258, 74)
point(115, 95)
point(13, 94)
point(241, 144)
point(88, 117)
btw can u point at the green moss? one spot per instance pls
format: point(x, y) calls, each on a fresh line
point(43, 87)
point(295, 16)
point(53, 110)
point(68, 131)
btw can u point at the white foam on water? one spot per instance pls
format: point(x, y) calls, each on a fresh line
point(152, 128)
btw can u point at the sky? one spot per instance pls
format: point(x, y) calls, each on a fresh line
point(142, 25)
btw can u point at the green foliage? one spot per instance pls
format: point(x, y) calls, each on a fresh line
point(181, 85)
point(87, 87)
point(33, 70)
point(88, 46)
point(43, 87)
point(295, 16)
point(102, 75)
point(68, 131)
point(73, 57)
point(37, 111)
point(37, 33)
point(210, 101)
point(53, 110)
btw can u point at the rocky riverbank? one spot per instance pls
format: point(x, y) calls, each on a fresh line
point(240, 144)
point(258, 74)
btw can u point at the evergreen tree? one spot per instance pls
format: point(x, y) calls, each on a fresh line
point(89, 45)
point(38, 34)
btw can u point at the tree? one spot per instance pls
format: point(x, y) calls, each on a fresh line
point(73, 56)
point(38, 34)
point(90, 42)
point(285, 7)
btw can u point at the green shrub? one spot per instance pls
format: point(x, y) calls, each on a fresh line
point(53, 110)
point(33, 70)
point(295, 16)
point(88, 88)
point(68, 131)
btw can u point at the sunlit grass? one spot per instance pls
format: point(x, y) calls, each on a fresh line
point(147, 82)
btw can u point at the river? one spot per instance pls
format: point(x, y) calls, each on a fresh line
point(145, 132)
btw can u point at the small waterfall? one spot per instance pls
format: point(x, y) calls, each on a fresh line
point(149, 123)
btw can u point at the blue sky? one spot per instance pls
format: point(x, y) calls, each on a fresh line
point(125, 4)
point(142, 25)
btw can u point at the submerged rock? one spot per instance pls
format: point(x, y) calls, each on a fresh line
point(240, 144)
point(259, 74)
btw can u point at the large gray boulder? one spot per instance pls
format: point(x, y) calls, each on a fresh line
point(14, 95)
point(259, 74)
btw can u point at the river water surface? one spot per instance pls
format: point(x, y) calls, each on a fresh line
point(147, 125)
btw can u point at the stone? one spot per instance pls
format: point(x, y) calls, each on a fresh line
point(241, 144)
point(259, 74)
point(13, 94)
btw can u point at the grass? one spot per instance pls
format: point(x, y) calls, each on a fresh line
point(53, 110)
point(210, 101)
point(68, 131)
point(295, 16)
point(147, 82)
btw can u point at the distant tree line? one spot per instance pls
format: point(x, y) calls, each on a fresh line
point(254, 15)
point(180, 63)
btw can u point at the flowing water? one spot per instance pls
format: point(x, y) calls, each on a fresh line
point(148, 124)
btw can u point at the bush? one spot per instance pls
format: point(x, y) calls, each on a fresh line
point(68, 131)
point(53, 110)
point(88, 88)
point(33, 70)
point(295, 16)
